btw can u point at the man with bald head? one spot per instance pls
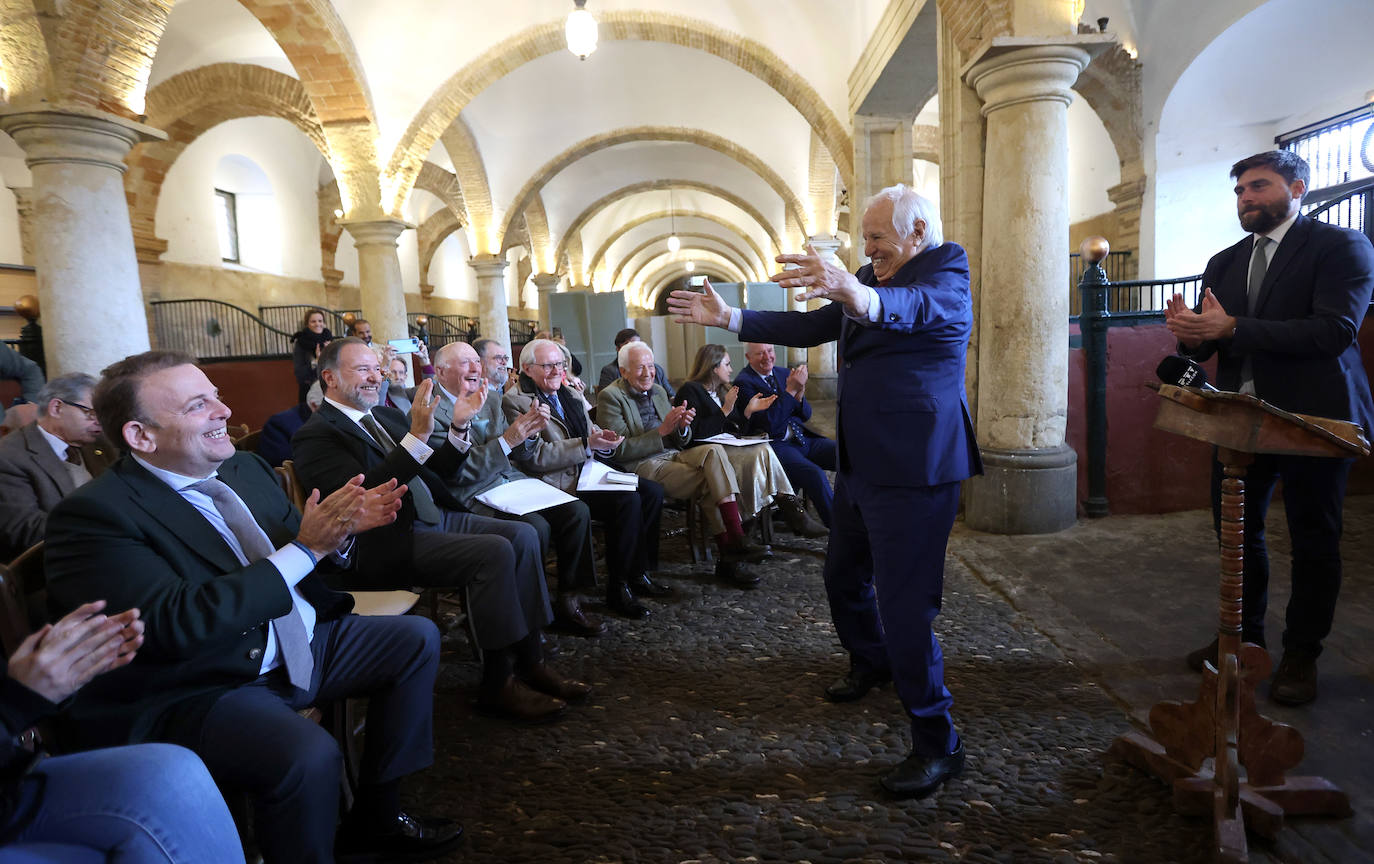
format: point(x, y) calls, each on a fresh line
point(459, 374)
point(905, 442)
point(805, 456)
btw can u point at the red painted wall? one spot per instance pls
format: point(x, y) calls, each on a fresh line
point(1149, 471)
point(253, 389)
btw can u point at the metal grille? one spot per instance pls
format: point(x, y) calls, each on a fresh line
point(444, 329)
point(1338, 150)
point(1144, 299)
point(288, 318)
point(214, 330)
point(1115, 264)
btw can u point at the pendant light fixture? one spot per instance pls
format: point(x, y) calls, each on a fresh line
point(674, 243)
point(580, 30)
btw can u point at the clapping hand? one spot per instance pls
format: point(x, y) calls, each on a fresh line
point(60, 658)
point(1193, 328)
point(759, 402)
point(796, 381)
point(728, 403)
point(526, 425)
point(678, 419)
point(604, 439)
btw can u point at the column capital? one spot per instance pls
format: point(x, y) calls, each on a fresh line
point(76, 136)
point(374, 232)
point(488, 266)
point(826, 244)
point(547, 283)
point(1013, 70)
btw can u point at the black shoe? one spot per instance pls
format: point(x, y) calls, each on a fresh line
point(520, 703)
point(405, 839)
point(1295, 681)
point(622, 602)
point(918, 776)
point(737, 575)
point(798, 522)
point(643, 586)
point(568, 617)
point(741, 550)
point(856, 684)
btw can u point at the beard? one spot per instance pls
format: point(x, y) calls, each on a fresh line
point(1265, 218)
point(500, 377)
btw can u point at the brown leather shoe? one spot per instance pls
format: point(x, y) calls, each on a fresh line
point(519, 703)
point(1295, 681)
point(541, 677)
point(568, 617)
point(798, 522)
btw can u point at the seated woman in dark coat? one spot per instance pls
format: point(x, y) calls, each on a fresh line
point(310, 340)
point(709, 392)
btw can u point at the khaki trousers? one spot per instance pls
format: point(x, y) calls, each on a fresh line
point(709, 472)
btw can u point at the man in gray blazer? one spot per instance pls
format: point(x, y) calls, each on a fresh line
point(496, 445)
point(42, 463)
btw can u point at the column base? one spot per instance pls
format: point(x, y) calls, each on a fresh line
point(1024, 491)
point(820, 387)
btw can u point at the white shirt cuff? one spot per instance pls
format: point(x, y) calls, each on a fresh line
point(418, 450)
point(457, 440)
point(736, 320)
point(875, 309)
point(505, 448)
point(292, 563)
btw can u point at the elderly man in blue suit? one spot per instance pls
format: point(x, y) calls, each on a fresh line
point(905, 443)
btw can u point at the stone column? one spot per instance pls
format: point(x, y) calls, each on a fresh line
point(381, 294)
point(491, 297)
point(547, 283)
point(1030, 480)
point(83, 245)
point(820, 360)
point(882, 154)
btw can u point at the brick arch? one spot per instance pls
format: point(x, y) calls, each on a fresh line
point(661, 277)
point(753, 57)
point(442, 184)
point(737, 256)
point(316, 42)
point(537, 229)
point(431, 235)
point(188, 105)
point(25, 60)
point(1111, 86)
point(575, 229)
point(471, 171)
point(331, 232)
point(792, 205)
point(665, 214)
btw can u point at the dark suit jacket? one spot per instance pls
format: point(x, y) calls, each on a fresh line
point(774, 420)
point(1301, 340)
point(330, 449)
point(32, 481)
point(275, 443)
point(130, 539)
point(709, 420)
point(902, 419)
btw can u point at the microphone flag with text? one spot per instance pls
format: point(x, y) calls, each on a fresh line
point(1184, 372)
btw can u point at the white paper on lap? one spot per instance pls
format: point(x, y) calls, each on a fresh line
point(600, 477)
point(732, 440)
point(524, 496)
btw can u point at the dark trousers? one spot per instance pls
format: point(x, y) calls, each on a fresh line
point(1313, 495)
point(631, 521)
point(253, 739)
point(568, 529)
point(498, 565)
point(884, 576)
point(805, 462)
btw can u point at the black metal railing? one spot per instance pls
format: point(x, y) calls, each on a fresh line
point(215, 330)
point(288, 318)
point(1349, 205)
point(1116, 264)
point(443, 329)
point(522, 330)
point(1338, 149)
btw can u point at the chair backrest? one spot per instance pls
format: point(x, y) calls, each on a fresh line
point(32, 584)
point(236, 433)
point(249, 442)
point(14, 618)
point(291, 484)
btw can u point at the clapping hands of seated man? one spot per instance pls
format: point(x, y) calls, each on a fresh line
point(61, 658)
point(679, 418)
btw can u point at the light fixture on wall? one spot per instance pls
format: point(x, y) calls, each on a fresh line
point(691, 265)
point(580, 31)
point(674, 244)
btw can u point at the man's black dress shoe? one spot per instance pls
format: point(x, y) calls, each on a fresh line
point(568, 617)
point(404, 839)
point(1295, 681)
point(741, 550)
point(737, 575)
point(643, 586)
point(856, 684)
point(918, 776)
point(622, 602)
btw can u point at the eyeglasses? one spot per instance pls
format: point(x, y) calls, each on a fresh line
point(549, 367)
point(503, 358)
point(85, 409)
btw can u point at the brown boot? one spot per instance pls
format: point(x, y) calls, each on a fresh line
point(798, 522)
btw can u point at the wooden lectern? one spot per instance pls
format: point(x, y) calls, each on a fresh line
point(1223, 723)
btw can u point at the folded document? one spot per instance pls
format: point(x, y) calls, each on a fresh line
point(524, 496)
point(599, 477)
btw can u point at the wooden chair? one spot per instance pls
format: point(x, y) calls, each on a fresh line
point(32, 584)
point(249, 443)
point(14, 616)
point(237, 432)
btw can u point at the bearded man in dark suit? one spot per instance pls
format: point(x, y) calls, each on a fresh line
point(1282, 310)
point(240, 630)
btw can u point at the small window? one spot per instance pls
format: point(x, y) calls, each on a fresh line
point(227, 219)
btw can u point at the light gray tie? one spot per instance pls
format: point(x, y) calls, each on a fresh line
point(291, 635)
point(425, 508)
point(1259, 265)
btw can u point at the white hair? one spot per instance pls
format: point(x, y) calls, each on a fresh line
point(533, 347)
point(622, 357)
point(908, 205)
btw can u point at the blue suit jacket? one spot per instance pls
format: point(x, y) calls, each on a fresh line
point(1301, 341)
point(774, 420)
point(902, 418)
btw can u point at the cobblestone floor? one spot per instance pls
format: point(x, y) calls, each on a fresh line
point(707, 740)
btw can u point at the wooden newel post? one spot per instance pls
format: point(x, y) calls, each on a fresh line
point(1247, 786)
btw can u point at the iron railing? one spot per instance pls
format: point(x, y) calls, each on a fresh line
point(522, 330)
point(443, 329)
point(215, 330)
point(1116, 264)
point(1349, 205)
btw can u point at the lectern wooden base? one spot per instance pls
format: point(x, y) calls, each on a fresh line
point(1200, 747)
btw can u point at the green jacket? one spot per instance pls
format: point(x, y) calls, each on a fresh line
point(616, 410)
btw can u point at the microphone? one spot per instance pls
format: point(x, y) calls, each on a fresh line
point(1184, 372)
